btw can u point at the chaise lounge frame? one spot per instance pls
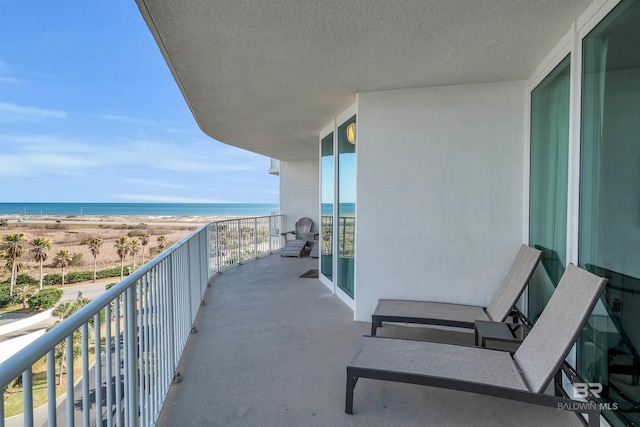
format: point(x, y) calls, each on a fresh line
point(463, 316)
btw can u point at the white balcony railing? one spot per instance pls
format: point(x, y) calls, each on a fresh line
point(129, 340)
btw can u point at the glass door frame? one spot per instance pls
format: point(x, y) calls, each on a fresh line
point(333, 126)
point(326, 131)
point(570, 44)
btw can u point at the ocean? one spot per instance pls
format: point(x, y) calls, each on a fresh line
point(143, 209)
point(347, 209)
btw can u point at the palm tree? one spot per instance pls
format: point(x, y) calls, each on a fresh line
point(134, 248)
point(24, 292)
point(63, 311)
point(62, 260)
point(162, 242)
point(40, 247)
point(13, 249)
point(94, 247)
point(122, 248)
point(144, 241)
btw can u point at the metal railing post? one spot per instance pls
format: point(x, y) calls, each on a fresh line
point(140, 338)
point(217, 250)
point(157, 377)
point(85, 375)
point(131, 408)
point(255, 237)
point(239, 243)
point(118, 364)
point(98, 368)
point(69, 370)
point(204, 260)
point(270, 231)
point(51, 387)
point(189, 282)
point(108, 372)
point(171, 317)
point(27, 397)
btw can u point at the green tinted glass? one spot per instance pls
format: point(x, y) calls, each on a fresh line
point(609, 232)
point(548, 183)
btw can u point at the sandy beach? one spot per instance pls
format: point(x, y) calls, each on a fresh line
point(155, 220)
point(70, 233)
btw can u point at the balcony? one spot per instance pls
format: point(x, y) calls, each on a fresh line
point(260, 346)
point(272, 349)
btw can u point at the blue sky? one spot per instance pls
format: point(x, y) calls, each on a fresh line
point(89, 112)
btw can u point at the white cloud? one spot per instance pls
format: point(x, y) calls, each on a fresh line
point(41, 164)
point(10, 80)
point(39, 155)
point(181, 156)
point(42, 143)
point(130, 120)
point(4, 75)
point(13, 113)
point(42, 153)
point(10, 165)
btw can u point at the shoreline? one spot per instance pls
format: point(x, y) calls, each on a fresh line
point(152, 220)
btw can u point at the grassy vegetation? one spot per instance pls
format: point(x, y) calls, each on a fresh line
point(13, 395)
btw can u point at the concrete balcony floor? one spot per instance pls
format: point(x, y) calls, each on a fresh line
point(272, 348)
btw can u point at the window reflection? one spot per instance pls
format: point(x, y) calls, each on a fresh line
point(326, 222)
point(609, 238)
point(346, 209)
point(548, 183)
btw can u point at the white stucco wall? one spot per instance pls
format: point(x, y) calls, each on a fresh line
point(439, 192)
point(299, 192)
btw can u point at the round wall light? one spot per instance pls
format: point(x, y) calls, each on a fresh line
point(351, 133)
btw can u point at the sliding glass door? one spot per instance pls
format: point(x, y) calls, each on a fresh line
point(609, 231)
point(327, 171)
point(338, 206)
point(346, 207)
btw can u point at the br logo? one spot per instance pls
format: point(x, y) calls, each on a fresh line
point(583, 389)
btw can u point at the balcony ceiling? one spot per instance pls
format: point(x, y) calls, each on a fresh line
point(267, 76)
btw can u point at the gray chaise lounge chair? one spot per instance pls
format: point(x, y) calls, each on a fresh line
point(523, 376)
point(462, 316)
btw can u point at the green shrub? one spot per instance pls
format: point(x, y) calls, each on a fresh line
point(78, 276)
point(55, 279)
point(45, 299)
point(25, 279)
point(5, 299)
point(52, 279)
point(111, 272)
